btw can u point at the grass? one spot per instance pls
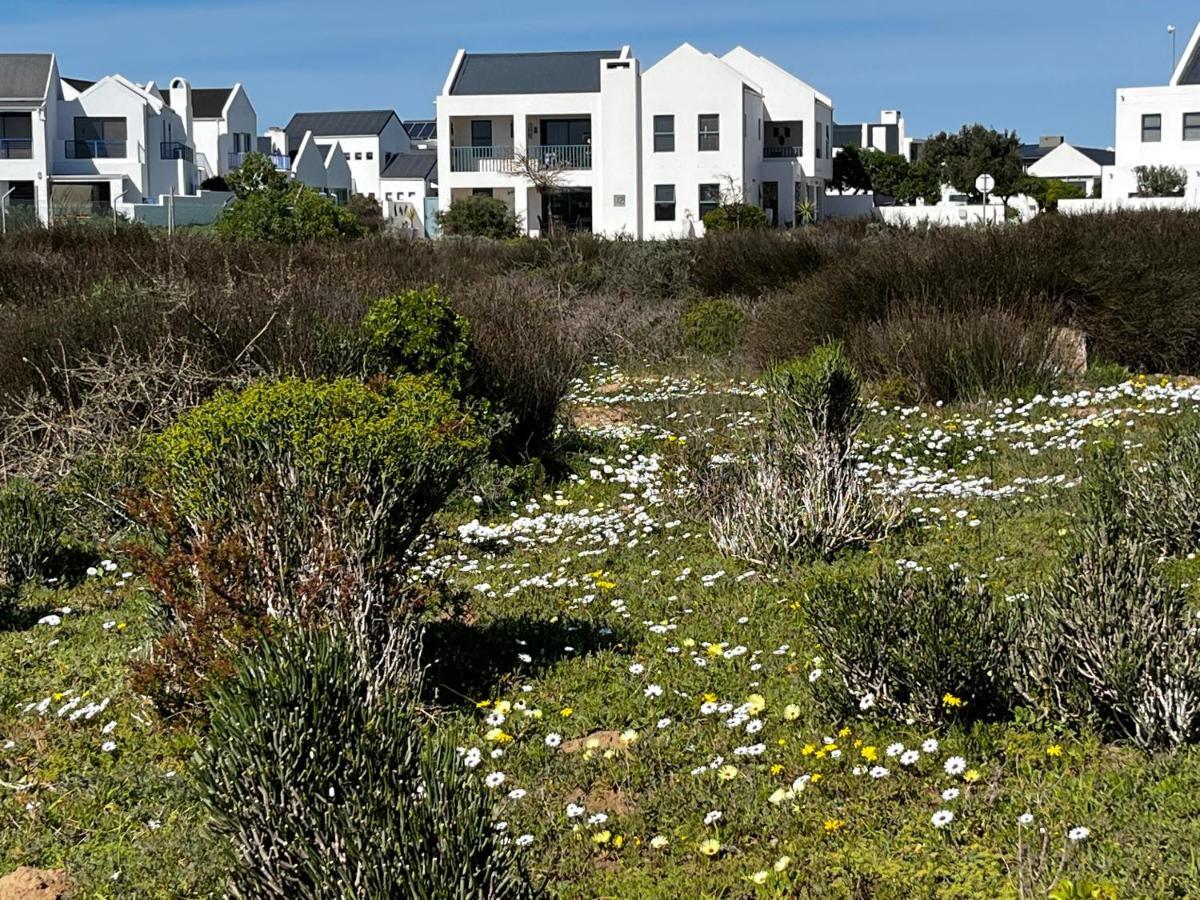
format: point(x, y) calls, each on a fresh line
point(600, 613)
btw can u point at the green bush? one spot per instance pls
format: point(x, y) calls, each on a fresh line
point(478, 216)
point(292, 500)
point(418, 332)
point(31, 528)
point(734, 217)
point(327, 788)
point(815, 398)
point(1161, 181)
point(713, 327)
point(1111, 644)
point(900, 643)
point(1162, 493)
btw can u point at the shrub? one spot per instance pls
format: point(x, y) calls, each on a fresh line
point(734, 217)
point(270, 208)
point(215, 183)
point(1162, 494)
point(326, 788)
point(713, 327)
point(1111, 644)
point(478, 216)
point(899, 643)
point(1160, 181)
point(31, 527)
point(417, 331)
point(367, 212)
point(798, 495)
point(746, 263)
point(292, 500)
point(526, 351)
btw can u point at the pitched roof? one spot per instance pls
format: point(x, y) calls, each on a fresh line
point(1031, 153)
point(421, 129)
point(1187, 71)
point(337, 124)
point(575, 72)
point(417, 164)
point(1098, 156)
point(24, 76)
point(207, 103)
point(80, 84)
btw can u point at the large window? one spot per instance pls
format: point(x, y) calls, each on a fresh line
point(16, 136)
point(481, 132)
point(709, 132)
point(98, 138)
point(664, 134)
point(1191, 126)
point(664, 203)
point(1151, 129)
point(710, 198)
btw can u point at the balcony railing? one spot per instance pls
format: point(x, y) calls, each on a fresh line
point(95, 149)
point(503, 159)
point(176, 150)
point(782, 152)
point(562, 156)
point(279, 161)
point(16, 148)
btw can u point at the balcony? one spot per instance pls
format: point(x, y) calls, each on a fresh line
point(503, 159)
point(16, 148)
point(782, 152)
point(176, 150)
point(95, 149)
point(279, 161)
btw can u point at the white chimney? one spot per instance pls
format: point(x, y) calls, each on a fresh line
point(181, 102)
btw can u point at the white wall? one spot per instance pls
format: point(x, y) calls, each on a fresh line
point(1169, 102)
point(686, 83)
point(400, 195)
point(1085, 207)
point(214, 137)
point(618, 150)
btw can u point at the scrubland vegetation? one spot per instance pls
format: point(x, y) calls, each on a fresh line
point(798, 564)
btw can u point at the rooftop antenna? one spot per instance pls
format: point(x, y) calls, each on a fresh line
point(1171, 32)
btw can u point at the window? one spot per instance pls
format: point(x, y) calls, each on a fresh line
point(388, 195)
point(481, 192)
point(664, 134)
point(710, 132)
point(1191, 126)
point(664, 203)
point(358, 155)
point(16, 136)
point(98, 138)
point(710, 198)
point(347, 155)
point(1151, 129)
point(481, 132)
point(370, 154)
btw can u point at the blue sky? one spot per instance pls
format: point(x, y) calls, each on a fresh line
point(1041, 68)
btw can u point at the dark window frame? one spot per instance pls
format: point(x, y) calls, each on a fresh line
point(710, 130)
point(663, 207)
point(667, 137)
point(713, 202)
point(1191, 129)
point(1148, 129)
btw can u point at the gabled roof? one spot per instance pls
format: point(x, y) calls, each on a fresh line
point(1031, 153)
point(80, 84)
point(25, 76)
point(337, 124)
point(417, 164)
point(1098, 156)
point(207, 103)
point(421, 129)
point(1188, 70)
point(573, 72)
point(686, 49)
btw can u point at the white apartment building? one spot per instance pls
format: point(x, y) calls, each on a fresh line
point(368, 140)
point(643, 154)
point(1160, 126)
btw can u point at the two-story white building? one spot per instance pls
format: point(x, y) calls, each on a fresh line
point(368, 140)
point(1160, 126)
point(71, 147)
point(586, 140)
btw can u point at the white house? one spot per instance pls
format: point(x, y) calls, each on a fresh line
point(405, 184)
point(888, 135)
point(644, 154)
point(368, 140)
point(224, 128)
point(1053, 157)
point(1160, 126)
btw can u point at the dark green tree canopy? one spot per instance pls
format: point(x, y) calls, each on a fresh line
point(960, 158)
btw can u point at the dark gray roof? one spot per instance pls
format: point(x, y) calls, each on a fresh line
point(24, 76)
point(207, 103)
point(80, 84)
point(417, 164)
point(337, 124)
point(1031, 153)
point(1100, 157)
point(421, 129)
point(531, 73)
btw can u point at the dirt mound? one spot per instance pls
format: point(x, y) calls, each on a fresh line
point(27, 883)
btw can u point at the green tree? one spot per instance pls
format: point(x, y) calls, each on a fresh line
point(478, 215)
point(367, 212)
point(958, 159)
point(921, 183)
point(849, 171)
point(1048, 191)
point(887, 172)
point(267, 207)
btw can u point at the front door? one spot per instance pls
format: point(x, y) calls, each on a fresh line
point(770, 202)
